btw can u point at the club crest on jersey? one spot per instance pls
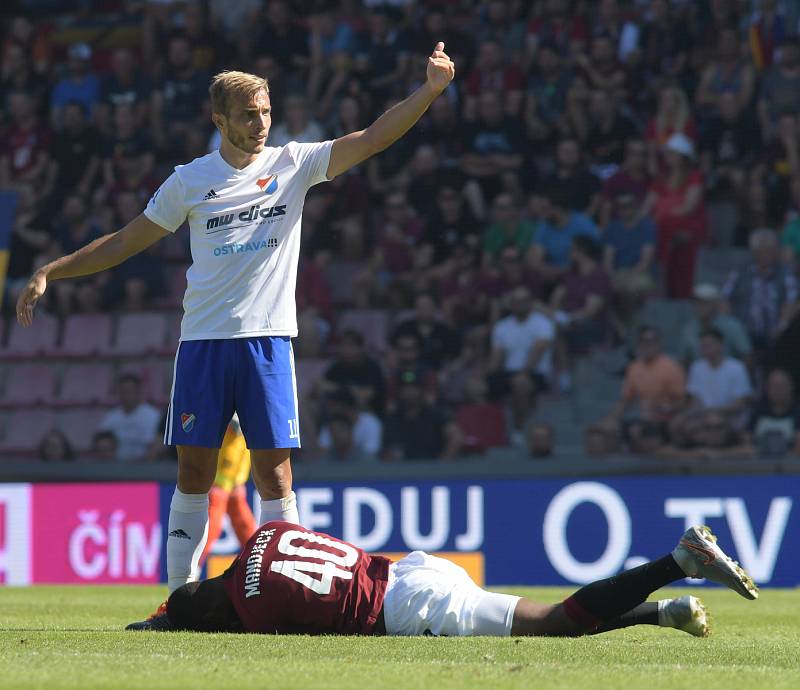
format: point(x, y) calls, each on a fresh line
point(268, 184)
point(187, 421)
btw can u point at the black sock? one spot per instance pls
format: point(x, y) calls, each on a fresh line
point(643, 614)
point(605, 600)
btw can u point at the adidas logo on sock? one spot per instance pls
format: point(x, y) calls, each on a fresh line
point(179, 534)
point(210, 195)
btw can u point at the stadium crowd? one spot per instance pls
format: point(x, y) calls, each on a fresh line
point(590, 159)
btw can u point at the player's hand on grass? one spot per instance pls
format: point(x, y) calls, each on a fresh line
point(30, 296)
point(441, 69)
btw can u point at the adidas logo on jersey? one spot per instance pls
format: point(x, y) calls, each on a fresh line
point(210, 195)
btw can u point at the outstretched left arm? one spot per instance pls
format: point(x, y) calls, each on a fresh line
point(356, 147)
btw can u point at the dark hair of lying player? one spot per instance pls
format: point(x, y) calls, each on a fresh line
point(203, 607)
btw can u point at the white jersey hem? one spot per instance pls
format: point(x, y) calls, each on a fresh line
point(231, 336)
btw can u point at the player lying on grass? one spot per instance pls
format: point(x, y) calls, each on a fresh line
point(288, 579)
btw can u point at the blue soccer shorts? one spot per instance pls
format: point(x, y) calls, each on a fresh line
point(251, 376)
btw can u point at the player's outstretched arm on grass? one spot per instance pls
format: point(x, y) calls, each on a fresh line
point(102, 253)
point(356, 147)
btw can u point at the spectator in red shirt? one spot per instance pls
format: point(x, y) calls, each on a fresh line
point(494, 73)
point(583, 299)
point(631, 178)
point(673, 117)
point(676, 202)
point(25, 160)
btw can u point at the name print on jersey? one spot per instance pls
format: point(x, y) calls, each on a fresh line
point(252, 576)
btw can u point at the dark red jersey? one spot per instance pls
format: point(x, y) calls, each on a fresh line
point(288, 579)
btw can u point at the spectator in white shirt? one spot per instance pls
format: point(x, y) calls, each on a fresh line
point(521, 362)
point(717, 385)
point(133, 422)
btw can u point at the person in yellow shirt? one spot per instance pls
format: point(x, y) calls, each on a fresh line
point(228, 495)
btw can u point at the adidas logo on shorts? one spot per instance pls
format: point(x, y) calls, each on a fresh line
point(210, 195)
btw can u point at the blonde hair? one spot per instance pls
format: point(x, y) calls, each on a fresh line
point(231, 85)
point(678, 121)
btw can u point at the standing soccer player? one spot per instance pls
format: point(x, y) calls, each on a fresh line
point(244, 204)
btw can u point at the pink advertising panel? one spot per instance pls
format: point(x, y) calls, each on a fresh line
point(95, 533)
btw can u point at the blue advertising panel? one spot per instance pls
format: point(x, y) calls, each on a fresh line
point(557, 531)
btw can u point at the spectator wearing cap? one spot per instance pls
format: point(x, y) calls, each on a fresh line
point(763, 295)
point(578, 185)
point(629, 247)
point(708, 315)
point(676, 202)
point(364, 428)
point(133, 422)
point(549, 252)
point(417, 430)
point(79, 84)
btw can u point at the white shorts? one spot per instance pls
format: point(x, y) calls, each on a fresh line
point(430, 595)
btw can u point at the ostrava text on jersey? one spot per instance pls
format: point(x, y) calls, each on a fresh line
point(290, 580)
point(245, 238)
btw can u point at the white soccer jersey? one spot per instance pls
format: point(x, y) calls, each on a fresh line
point(245, 238)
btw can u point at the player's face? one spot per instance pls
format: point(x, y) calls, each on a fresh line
point(247, 125)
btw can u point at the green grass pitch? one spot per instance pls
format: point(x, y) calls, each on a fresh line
point(71, 637)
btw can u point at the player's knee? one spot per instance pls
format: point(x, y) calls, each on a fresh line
point(534, 619)
point(273, 481)
point(196, 474)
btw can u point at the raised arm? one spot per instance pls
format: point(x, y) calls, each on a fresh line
point(102, 253)
point(356, 147)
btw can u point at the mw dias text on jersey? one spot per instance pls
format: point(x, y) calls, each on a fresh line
point(239, 308)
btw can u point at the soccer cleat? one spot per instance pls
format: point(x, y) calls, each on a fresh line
point(156, 621)
point(698, 555)
point(686, 613)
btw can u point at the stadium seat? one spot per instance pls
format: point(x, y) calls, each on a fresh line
point(25, 430)
point(85, 335)
point(86, 384)
point(80, 424)
point(308, 372)
point(139, 334)
point(27, 343)
point(173, 333)
point(370, 323)
point(156, 378)
point(29, 384)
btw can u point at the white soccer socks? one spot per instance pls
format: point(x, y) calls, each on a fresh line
point(186, 537)
point(280, 509)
